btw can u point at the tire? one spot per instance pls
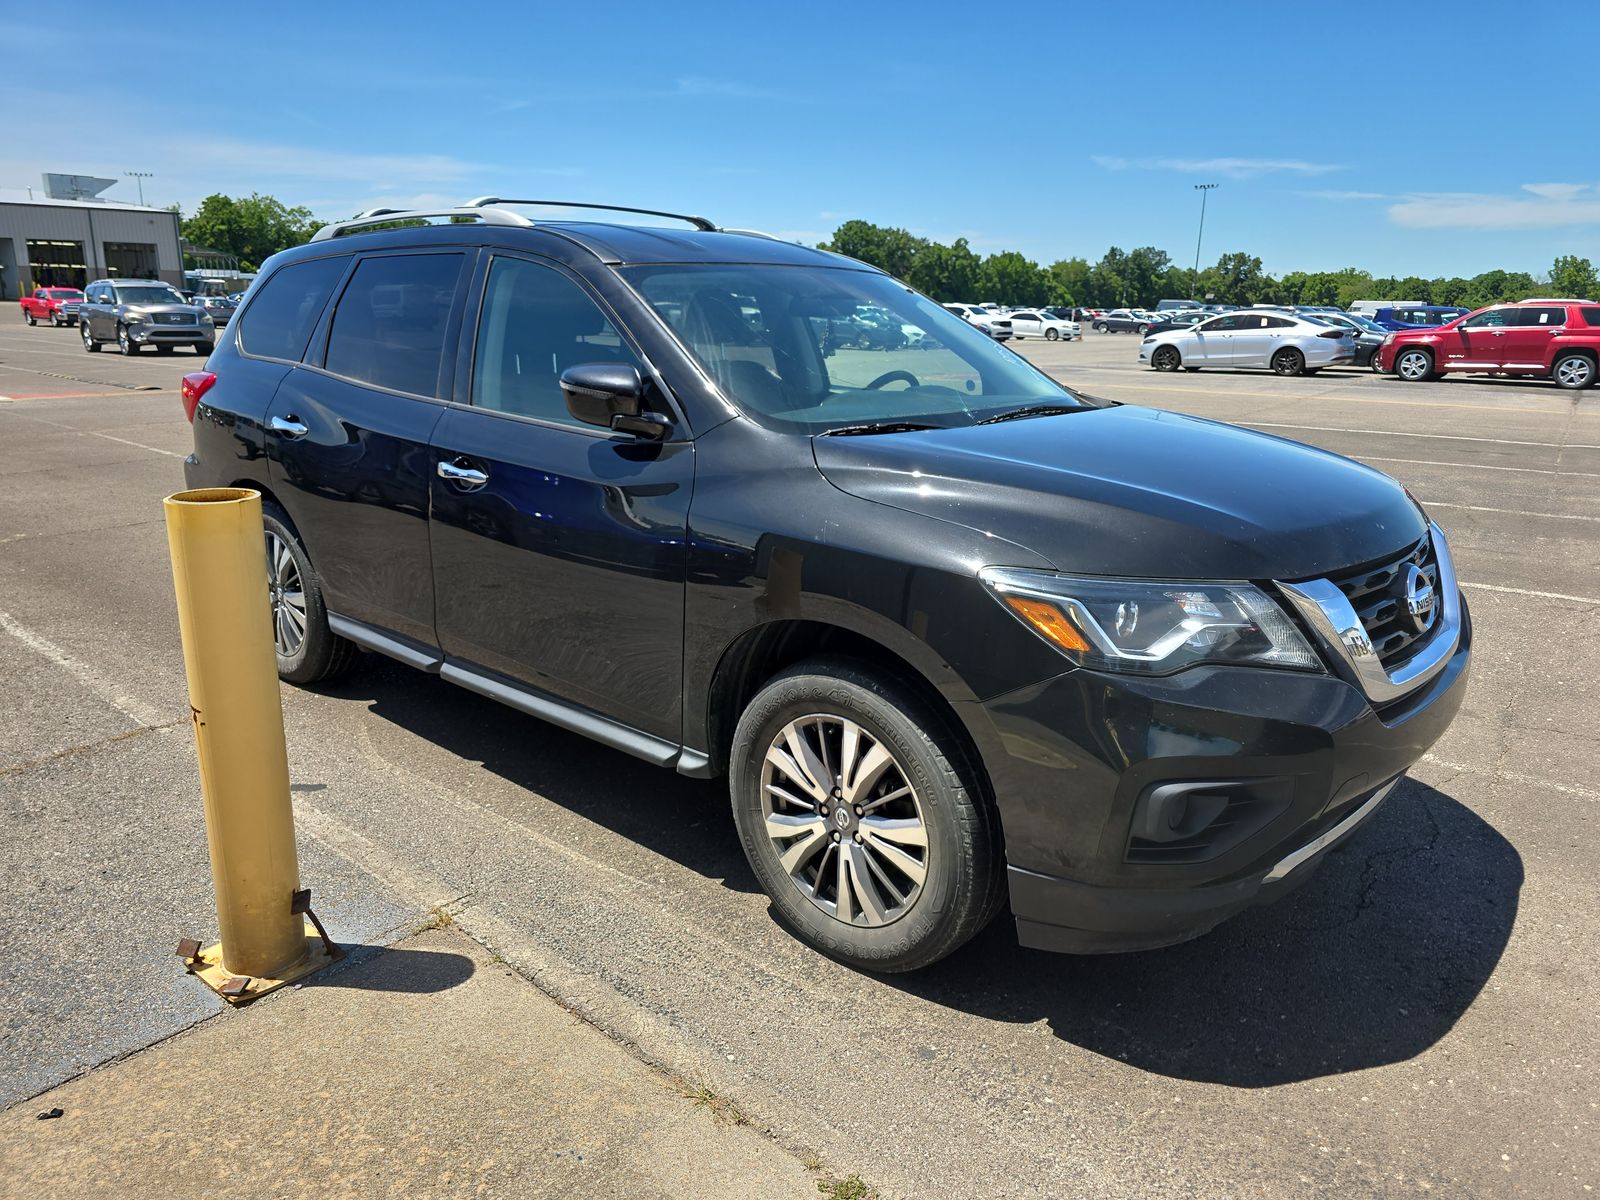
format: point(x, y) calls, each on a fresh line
point(1288, 361)
point(204, 347)
point(1374, 362)
point(1142, 330)
point(56, 322)
point(1166, 358)
point(125, 343)
point(1191, 368)
point(160, 349)
point(1052, 335)
point(29, 318)
point(944, 826)
point(319, 653)
point(1099, 327)
point(1414, 365)
point(89, 344)
point(1573, 372)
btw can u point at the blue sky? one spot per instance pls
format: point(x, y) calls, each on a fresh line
point(1408, 138)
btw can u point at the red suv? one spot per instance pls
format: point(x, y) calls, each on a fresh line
point(1551, 339)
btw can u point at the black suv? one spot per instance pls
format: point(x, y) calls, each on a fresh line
point(956, 635)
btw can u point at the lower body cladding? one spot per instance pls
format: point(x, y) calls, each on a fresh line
point(1142, 812)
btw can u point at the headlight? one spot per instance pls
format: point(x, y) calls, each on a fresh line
point(205, 319)
point(1387, 338)
point(136, 318)
point(1148, 627)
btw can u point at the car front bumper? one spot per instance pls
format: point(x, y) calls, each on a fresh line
point(147, 334)
point(1083, 754)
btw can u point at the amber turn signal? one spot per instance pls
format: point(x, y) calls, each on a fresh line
point(1049, 622)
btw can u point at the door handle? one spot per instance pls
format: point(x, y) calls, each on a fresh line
point(290, 426)
point(467, 477)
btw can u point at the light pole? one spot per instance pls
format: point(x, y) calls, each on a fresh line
point(1202, 188)
point(141, 176)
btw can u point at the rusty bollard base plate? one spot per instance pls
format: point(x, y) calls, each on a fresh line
point(206, 965)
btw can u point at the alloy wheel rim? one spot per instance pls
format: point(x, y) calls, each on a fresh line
point(1285, 363)
point(288, 597)
point(844, 820)
point(1412, 366)
point(1574, 371)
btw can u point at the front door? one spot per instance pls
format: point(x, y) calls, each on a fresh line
point(1026, 324)
point(1213, 342)
point(558, 547)
point(1477, 343)
point(1528, 340)
point(348, 437)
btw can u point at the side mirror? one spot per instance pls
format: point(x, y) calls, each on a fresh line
point(611, 395)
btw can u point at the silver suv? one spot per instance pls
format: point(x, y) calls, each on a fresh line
point(136, 313)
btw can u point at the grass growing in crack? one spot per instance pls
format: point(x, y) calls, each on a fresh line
point(439, 918)
point(849, 1188)
point(721, 1107)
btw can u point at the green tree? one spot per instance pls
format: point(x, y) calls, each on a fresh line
point(252, 228)
point(1069, 281)
point(1108, 280)
point(1236, 279)
point(893, 250)
point(1573, 277)
point(946, 272)
point(1009, 278)
point(1145, 271)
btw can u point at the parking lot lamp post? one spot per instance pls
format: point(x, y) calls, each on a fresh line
point(141, 176)
point(1202, 188)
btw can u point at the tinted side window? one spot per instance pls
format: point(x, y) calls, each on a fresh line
point(1276, 323)
point(1549, 318)
point(1591, 316)
point(535, 324)
point(280, 319)
point(389, 327)
point(1220, 325)
point(1495, 318)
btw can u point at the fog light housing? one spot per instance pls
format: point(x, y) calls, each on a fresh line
point(1193, 821)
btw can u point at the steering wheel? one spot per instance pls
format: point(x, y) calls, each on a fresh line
point(892, 377)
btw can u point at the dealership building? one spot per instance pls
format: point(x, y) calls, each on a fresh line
point(67, 243)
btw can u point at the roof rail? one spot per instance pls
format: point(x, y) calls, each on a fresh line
point(385, 216)
point(701, 223)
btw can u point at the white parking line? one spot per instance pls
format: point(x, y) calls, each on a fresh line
point(1429, 462)
point(136, 711)
point(1447, 437)
point(140, 445)
point(1494, 587)
point(1510, 512)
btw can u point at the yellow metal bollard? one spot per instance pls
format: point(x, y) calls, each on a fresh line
point(224, 614)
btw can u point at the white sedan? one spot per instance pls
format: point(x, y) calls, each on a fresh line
point(1028, 322)
point(1282, 342)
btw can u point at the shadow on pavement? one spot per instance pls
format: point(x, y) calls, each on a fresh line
point(1368, 963)
point(396, 969)
point(687, 820)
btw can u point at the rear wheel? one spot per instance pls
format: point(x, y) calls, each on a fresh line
point(308, 651)
point(1288, 361)
point(1414, 366)
point(89, 344)
point(863, 817)
point(1166, 358)
point(1573, 371)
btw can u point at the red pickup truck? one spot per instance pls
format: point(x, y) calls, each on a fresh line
point(57, 305)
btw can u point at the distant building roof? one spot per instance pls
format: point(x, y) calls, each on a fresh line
point(22, 196)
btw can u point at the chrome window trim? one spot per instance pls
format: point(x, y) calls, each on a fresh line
point(1344, 639)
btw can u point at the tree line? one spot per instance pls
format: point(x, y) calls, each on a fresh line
point(1141, 277)
point(255, 227)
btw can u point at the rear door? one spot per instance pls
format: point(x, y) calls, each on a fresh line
point(558, 547)
point(1531, 337)
point(347, 433)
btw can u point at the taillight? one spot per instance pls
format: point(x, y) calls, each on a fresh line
point(1332, 333)
point(196, 385)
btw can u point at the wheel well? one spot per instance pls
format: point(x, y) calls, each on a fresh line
point(1579, 351)
point(760, 653)
point(266, 497)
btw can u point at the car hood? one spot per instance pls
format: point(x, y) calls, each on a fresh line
point(1137, 492)
point(161, 308)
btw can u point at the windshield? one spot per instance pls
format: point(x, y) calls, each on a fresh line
point(148, 295)
point(814, 349)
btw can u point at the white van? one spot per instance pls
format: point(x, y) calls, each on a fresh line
point(1365, 308)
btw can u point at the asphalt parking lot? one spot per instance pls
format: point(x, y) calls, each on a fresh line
point(1418, 1018)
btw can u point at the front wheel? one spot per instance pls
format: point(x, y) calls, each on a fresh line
point(1166, 358)
point(89, 344)
point(863, 817)
point(125, 343)
point(1573, 372)
point(1414, 366)
point(1052, 335)
point(1288, 361)
point(308, 651)
point(1099, 327)
point(29, 318)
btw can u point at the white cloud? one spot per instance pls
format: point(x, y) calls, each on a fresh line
point(1550, 206)
point(1228, 168)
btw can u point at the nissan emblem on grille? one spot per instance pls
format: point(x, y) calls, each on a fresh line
point(1419, 598)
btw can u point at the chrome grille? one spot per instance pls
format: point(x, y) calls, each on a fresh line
point(173, 319)
point(1377, 595)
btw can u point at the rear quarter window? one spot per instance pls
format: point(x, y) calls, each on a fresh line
point(280, 319)
point(1591, 316)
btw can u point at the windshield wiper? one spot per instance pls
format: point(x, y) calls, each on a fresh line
point(880, 427)
point(1033, 410)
